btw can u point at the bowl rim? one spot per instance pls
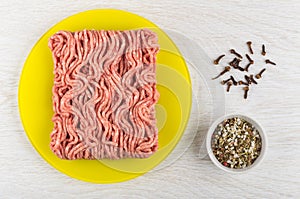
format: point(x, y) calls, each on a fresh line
point(260, 130)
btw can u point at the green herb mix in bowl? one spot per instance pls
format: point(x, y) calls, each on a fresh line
point(236, 143)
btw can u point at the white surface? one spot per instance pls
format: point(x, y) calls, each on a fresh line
point(216, 26)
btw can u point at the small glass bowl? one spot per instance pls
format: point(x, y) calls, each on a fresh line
point(251, 121)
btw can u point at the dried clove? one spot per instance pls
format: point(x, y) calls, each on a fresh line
point(258, 76)
point(216, 61)
point(263, 50)
point(235, 63)
point(240, 68)
point(246, 89)
point(252, 79)
point(243, 83)
point(249, 58)
point(229, 84)
point(227, 68)
point(223, 82)
point(248, 79)
point(247, 67)
point(270, 62)
point(233, 80)
point(235, 53)
point(249, 46)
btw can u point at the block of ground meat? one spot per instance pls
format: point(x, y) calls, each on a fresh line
point(104, 94)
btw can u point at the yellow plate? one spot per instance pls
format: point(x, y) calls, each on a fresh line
point(172, 110)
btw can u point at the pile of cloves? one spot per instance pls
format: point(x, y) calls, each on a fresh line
point(235, 64)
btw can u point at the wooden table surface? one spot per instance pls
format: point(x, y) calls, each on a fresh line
point(215, 26)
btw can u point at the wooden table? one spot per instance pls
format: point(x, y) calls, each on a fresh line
point(215, 26)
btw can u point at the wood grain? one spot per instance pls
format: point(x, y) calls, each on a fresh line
point(216, 26)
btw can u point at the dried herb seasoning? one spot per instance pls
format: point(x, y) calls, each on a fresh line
point(236, 143)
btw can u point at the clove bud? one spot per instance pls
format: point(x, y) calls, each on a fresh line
point(233, 80)
point(247, 78)
point(242, 83)
point(235, 63)
point(270, 62)
point(252, 79)
point(249, 58)
point(235, 53)
point(216, 61)
point(225, 81)
point(249, 43)
point(227, 68)
point(247, 67)
point(246, 89)
point(229, 84)
point(258, 76)
point(263, 50)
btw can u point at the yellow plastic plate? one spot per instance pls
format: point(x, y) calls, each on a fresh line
point(172, 110)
